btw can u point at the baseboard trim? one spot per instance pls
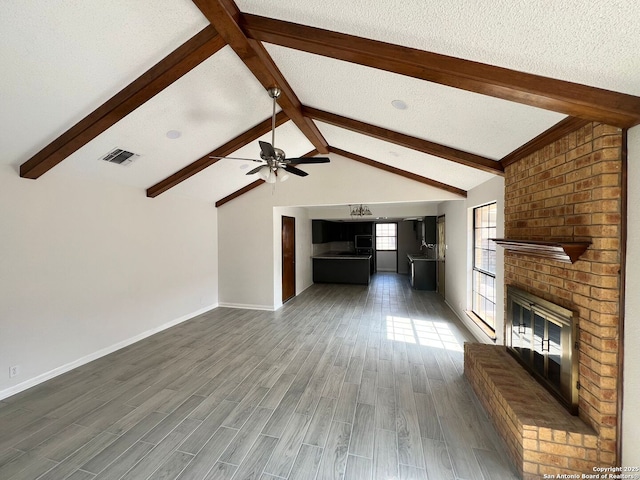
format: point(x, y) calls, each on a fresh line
point(471, 326)
point(43, 377)
point(248, 306)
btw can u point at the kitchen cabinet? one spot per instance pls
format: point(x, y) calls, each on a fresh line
point(423, 272)
point(341, 268)
point(320, 231)
point(429, 225)
point(325, 231)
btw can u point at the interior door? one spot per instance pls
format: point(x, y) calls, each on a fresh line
point(288, 258)
point(442, 252)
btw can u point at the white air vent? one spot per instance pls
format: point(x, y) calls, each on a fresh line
point(119, 156)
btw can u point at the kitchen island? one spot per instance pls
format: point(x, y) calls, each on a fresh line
point(341, 267)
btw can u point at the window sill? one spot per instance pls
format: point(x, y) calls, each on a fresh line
point(483, 326)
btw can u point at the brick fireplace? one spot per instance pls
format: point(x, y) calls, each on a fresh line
point(569, 191)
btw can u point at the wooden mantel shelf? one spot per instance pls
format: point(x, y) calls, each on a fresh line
point(567, 252)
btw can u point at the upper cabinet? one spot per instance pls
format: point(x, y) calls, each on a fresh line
point(429, 230)
point(324, 231)
point(426, 229)
point(320, 231)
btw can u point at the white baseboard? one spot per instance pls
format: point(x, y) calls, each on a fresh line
point(32, 382)
point(268, 308)
point(248, 306)
point(472, 327)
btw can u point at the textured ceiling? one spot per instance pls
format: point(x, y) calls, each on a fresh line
point(66, 58)
point(434, 112)
point(594, 43)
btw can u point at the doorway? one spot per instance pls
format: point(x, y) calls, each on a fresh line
point(386, 247)
point(442, 252)
point(288, 258)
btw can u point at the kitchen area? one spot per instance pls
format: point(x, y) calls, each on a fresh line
point(353, 251)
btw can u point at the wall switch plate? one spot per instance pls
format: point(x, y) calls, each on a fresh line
point(14, 371)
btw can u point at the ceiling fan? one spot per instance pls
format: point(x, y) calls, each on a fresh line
point(275, 166)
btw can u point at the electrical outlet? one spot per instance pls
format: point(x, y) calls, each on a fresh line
point(14, 371)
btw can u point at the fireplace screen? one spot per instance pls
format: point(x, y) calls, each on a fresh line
point(542, 336)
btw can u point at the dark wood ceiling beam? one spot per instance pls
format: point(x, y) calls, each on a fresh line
point(227, 149)
point(559, 130)
point(224, 16)
point(171, 68)
point(398, 171)
point(253, 185)
point(418, 144)
point(560, 96)
point(237, 193)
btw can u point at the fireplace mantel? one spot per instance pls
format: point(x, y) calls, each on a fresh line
point(566, 252)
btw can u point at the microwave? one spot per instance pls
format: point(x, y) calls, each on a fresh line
point(364, 241)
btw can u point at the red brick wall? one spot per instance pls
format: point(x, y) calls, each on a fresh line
point(570, 190)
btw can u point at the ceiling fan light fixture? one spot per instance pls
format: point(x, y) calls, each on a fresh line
point(271, 176)
point(264, 172)
point(283, 175)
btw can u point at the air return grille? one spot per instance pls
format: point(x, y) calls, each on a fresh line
point(119, 156)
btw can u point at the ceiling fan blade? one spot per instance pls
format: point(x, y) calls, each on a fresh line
point(236, 158)
point(255, 170)
point(295, 171)
point(303, 160)
point(267, 149)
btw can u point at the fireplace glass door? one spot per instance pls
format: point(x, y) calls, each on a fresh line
point(541, 335)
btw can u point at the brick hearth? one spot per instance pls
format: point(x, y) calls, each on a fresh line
point(540, 435)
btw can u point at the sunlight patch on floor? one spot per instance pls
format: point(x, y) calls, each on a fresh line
point(422, 332)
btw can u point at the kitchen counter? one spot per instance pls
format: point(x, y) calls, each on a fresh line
point(341, 267)
point(420, 257)
point(342, 255)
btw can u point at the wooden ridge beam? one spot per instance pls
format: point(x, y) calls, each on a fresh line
point(228, 148)
point(182, 60)
point(224, 16)
point(418, 144)
point(398, 171)
point(573, 99)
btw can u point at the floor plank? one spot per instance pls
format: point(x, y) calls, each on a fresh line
point(342, 382)
point(334, 458)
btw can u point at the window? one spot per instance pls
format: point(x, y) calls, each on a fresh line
point(386, 236)
point(484, 264)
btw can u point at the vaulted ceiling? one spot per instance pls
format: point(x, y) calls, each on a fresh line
point(482, 81)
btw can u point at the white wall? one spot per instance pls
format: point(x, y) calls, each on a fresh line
point(458, 234)
point(630, 418)
point(247, 247)
point(86, 266)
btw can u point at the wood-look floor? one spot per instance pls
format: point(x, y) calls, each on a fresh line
point(344, 381)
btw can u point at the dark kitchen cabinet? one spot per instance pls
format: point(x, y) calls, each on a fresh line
point(362, 228)
point(340, 231)
point(324, 231)
point(320, 231)
point(429, 225)
point(423, 274)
